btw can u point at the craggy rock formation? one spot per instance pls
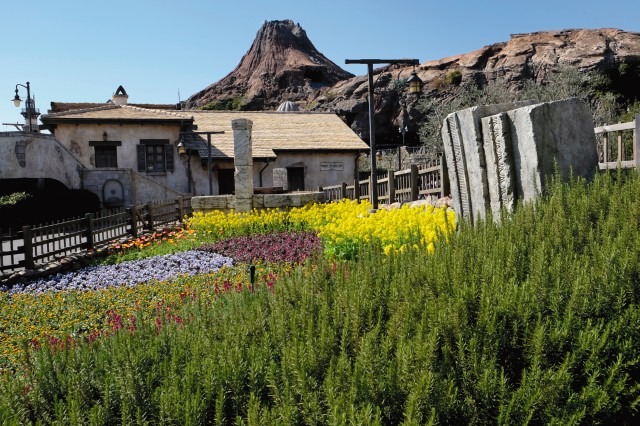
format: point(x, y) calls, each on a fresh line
point(523, 57)
point(281, 65)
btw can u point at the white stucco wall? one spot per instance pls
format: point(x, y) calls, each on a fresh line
point(24, 155)
point(76, 138)
point(320, 169)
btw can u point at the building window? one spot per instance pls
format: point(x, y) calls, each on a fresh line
point(106, 156)
point(105, 153)
point(155, 156)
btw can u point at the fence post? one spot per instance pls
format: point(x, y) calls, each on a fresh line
point(343, 188)
point(356, 190)
point(636, 141)
point(414, 182)
point(150, 216)
point(27, 247)
point(133, 221)
point(391, 182)
point(89, 231)
point(180, 210)
point(444, 178)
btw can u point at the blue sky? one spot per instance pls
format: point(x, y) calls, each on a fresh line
point(81, 51)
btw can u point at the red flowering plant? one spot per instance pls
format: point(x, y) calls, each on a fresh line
point(280, 247)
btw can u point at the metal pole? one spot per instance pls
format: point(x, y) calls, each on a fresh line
point(372, 142)
point(372, 131)
point(29, 106)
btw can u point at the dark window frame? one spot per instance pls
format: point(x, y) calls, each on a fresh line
point(155, 156)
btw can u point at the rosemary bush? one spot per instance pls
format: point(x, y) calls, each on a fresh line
point(534, 321)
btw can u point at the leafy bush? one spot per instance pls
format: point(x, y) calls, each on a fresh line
point(11, 199)
point(534, 321)
point(562, 82)
point(230, 104)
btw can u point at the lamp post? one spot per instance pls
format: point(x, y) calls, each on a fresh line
point(17, 100)
point(209, 156)
point(372, 130)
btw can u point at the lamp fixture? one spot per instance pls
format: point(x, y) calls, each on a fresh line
point(415, 84)
point(17, 100)
point(182, 150)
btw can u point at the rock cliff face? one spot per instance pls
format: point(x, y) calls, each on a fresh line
point(281, 65)
point(524, 57)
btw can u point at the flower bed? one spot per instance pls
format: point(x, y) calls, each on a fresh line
point(284, 247)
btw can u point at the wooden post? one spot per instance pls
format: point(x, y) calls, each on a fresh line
point(150, 216)
point(344, 190)
point(356, 190)
point(27, 247)
point(133, 221)
point(605, 147)
point(89, 231)
point(391, 182)
point(444, 178)
point(636, 141)
point(414, 182)
point(620, 150)
point(180, 210)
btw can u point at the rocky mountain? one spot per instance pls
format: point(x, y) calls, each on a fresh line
point(281, 65)
point(531, 56)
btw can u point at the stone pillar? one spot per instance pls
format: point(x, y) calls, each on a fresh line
point(498, 152)
point(549, 136)
point(243, 160)
point(280, 178)
point(464, 152)
point(520, 148)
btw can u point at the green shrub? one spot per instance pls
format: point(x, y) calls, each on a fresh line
point(534, 321)
point(453, 78)
point(12, 199)
point(230, 104)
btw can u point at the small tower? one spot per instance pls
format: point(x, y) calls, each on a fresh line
point(120, 97)
point(30, 112)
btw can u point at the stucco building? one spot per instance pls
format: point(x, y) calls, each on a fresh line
point(138, 153)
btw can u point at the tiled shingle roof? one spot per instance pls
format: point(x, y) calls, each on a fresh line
point(271, 132)
point(111, 112)
point(280, 131)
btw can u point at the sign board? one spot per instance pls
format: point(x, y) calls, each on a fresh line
point(327, 166)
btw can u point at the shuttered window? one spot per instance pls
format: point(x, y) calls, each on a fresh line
point(155, 156)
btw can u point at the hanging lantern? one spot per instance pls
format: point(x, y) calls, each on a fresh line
point(415, 84)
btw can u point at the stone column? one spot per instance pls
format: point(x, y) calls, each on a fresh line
point(280, 178)
point(243, 160)
point(464, 152)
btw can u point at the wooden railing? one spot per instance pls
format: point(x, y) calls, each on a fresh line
point(417, 182)
point(36, 245)
point(619, 145)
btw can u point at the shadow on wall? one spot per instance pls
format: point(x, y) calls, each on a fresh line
point(47, 200)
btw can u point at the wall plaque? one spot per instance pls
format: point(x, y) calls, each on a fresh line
point(327, 166)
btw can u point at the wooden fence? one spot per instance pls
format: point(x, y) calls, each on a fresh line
point(36, 245)
point(619, 145)
point(417, 182)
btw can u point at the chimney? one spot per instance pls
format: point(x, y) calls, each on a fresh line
point(120, 97)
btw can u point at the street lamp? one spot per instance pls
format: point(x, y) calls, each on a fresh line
point(17, 100)
point(372, 131)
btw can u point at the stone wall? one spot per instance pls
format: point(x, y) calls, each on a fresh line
point(34, 156)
